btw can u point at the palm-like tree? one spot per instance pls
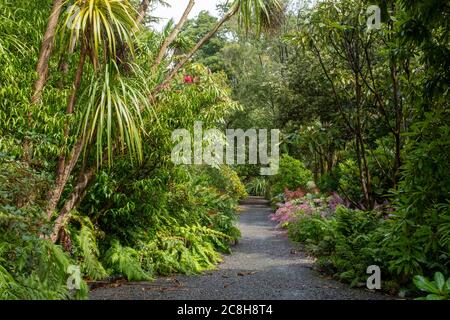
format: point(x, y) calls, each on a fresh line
point(98, 28)
point(100, 25)
point(113, 109)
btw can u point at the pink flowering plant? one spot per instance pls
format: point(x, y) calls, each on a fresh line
point(300, 204)
point(290, 212)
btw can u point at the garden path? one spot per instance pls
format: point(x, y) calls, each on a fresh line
point(264, 265)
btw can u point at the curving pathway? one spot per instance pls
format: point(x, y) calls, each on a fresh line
point(263, 266)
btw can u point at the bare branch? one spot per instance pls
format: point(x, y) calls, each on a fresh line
point(194, 50)
point(173, 35)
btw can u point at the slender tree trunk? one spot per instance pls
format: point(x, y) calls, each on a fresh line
point(316, 167)
point(330, 159)
point(75, 198)
point(63, 67)
point(398, 122)
point(194, 50)
point(360, 169)
point(321, 164)
point(46, 51)
point(42, 68)
point(398, 108)
point(77, 81)
point(173, 35)
point(367, 176)
point(366, 180)
point(65, 169)
point(84, 180)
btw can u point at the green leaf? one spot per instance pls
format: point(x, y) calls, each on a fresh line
point(435, 297)
point(439, 280)
point(425, 285)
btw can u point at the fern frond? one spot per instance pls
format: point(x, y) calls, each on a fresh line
point(126, 261)
point(90, 253)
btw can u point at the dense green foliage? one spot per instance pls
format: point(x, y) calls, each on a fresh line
point(92, 154)
point(87, 116)
point(366, 111)
point(345, 244)
point(291, 175)
point(258, 186)
point(30, 267)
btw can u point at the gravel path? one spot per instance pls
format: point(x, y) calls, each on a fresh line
point(263, 266)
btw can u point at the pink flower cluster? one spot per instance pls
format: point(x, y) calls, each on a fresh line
point(289, 212)
point(298, 205)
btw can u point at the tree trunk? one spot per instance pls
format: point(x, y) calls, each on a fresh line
point(194, 50)
point(65, 169)
point(63, 175)
point(42, 69)
point(398, 109)
point(63, 67)
point(366, 180)
point(362, 179)
point(46, 51)
point(84, 179)
point(77, 81)
point(75, 198)
point(398, 122)
point(173, 35)
point(330, 159)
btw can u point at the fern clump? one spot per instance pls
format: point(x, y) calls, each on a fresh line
point(126, 261)
point(179, 224)
point(89, 252)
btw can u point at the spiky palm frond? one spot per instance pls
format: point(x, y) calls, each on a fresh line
point(262, 15)
point(113, 114)
point(102, 25)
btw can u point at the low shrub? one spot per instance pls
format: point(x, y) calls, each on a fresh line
point(31, 267)
point(439, 289)
point(292, 195)
point(349, 183)
point(300, 205)
point(292, 174)
point(345, 243)
point(186, 220)
point(329, 182)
